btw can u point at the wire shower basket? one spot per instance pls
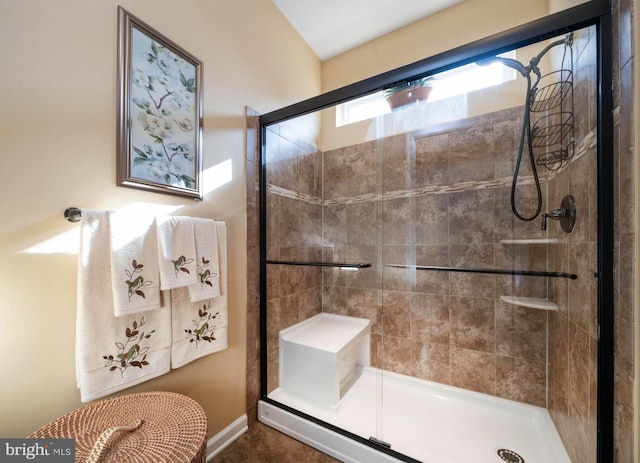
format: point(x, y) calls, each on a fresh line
point(552, 134)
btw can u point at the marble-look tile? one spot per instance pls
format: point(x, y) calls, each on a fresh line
point(432, 160)
point(580, 179)
point(430, 318)
point(363, 277)
point(262, 444)
point(428, 281)
point(310, 303)
point(471, 217)
point(366, 303)
point(579, 289)
point(396, 221)
point(398, 157)
point(398, 279)
point(334, 181)
point(473, 370)
point(578, 371)
point(431, 362)
point(397, 354)
point(334, 299)
point(472, 154)
point(521, 380)
point(289, 226)
point(431, 225)
point(309, 173)
point(473, 323)
point(472, 256)
point(559, 349)
point(521, 332)
point(334, 225)
point(362, 223)
point(310, 223)
point(396, 313)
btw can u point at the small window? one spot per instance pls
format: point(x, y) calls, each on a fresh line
point(464, 79)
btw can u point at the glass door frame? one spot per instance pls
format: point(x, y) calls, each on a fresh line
point(592, 13)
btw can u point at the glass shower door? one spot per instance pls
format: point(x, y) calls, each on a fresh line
point(414, 295)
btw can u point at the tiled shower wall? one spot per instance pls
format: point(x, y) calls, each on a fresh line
point(625, 152)
point(573, 328)
point(445, 203)
point(294, 231)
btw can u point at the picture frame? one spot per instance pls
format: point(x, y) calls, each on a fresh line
point(159, 112)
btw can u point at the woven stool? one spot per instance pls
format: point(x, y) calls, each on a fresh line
point(147, 427)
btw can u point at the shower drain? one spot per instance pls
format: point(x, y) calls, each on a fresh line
point(510, 456)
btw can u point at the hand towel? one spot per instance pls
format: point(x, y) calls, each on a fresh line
point(200, 328)
point(176, 252)
point(112, 353)
point(135, 275)
point(207, 261)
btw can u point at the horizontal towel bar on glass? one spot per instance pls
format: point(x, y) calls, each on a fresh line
point(322, 264)
point(533, 273)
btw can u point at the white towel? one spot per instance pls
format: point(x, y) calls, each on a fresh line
point(135, 277)
point(200, 328)
point(207, 261)
point(112, 353)
point(176, 252)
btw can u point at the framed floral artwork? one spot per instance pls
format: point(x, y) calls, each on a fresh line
point(159, 112)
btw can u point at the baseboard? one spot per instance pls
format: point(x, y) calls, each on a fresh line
point(224, 438)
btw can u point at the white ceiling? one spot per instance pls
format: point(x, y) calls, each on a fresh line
point(331, 27)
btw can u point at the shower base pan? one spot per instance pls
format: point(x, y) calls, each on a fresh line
point(426, 421)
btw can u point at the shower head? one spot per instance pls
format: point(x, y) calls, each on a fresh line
point(509, 62)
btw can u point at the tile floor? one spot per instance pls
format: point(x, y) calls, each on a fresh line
point(262, 444)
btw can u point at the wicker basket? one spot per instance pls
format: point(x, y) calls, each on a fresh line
point(147, 427)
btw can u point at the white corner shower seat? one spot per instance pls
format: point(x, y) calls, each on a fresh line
point(319, 356)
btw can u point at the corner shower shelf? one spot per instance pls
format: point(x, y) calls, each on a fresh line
point(322, 264)
point(531, 241)
point(532, 302)
point(571, 276)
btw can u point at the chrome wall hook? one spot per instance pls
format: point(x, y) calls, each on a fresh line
point(566, 214)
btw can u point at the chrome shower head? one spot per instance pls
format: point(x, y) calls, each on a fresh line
point(509, 62)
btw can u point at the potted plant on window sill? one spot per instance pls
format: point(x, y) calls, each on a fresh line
point(407, 93)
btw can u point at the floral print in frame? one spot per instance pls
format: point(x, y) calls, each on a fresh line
point(160, 112)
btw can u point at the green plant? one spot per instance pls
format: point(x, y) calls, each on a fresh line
point(422, 82)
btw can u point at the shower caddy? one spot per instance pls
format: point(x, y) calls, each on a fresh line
point(549, 140)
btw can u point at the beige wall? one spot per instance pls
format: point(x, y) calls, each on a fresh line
point(58, 149)
point(461, 24)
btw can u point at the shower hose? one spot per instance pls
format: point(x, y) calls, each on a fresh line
point(525, 136)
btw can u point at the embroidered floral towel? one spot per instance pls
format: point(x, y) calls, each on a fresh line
point(135, 277)
point(176, 252)
point(207, 261)
point(112, 353)
point(200, 328)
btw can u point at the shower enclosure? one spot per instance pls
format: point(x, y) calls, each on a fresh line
point(434, 277)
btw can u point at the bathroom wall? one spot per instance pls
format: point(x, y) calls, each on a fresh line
point(428, 37)
point(59, 149)
point(573, 328)
point(445, 202)
point(626, 305)
point(294, 233)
